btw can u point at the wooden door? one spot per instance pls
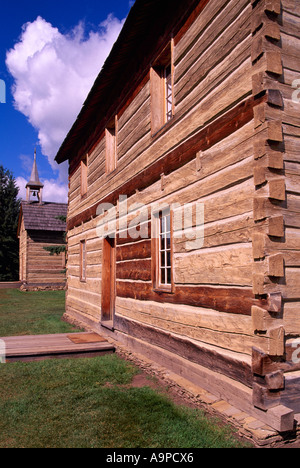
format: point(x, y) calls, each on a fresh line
point(108, 282)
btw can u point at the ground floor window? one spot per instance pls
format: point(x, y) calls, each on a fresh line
point(162, 251)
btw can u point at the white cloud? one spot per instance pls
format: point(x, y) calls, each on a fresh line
point(21, 183)
point(53, 74)
point(53, 191)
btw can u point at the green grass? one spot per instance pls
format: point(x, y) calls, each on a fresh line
point(32, 313)
point(87, 403)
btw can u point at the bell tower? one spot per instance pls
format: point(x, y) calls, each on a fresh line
point(34, 186)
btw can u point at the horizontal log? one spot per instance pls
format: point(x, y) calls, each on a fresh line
point(209, 357)
point(83, 306)
point(235, 230)
point(231, 300)
point(133, 232)
point(234, 119)
point(136, 250)
point(177, 315)
point(230, 265)
point(205, 55)
point(229, 331)
point(134, 270)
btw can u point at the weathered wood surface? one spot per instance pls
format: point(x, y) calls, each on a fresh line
point(230, 364)
point(232, 146)
point(39, 347)
point(224, 148)
point(41, 266)
point(36, 264)
point(206, 155)
point(10, 285)
point(225, 330)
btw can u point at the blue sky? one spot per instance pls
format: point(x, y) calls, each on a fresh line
point(51, 52)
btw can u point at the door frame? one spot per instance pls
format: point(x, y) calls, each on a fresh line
point(108, 282)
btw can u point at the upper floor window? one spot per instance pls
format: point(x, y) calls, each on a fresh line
point(84, 175)
point(111, 146)
point(168, 92)
point(162, 90)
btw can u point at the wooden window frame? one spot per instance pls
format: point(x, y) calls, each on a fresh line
point(108, 281)
point(111, 158)
point(160, 82)
point(83, 261)
point(169, 93)
point(158, 284)
point(84, 176)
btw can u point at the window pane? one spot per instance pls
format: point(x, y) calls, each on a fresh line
point(168, 223)
point(164, 258)
point(163, 224)
point(162, 242)
point(169, 276)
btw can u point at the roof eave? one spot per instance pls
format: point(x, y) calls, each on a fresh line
point(133, 42)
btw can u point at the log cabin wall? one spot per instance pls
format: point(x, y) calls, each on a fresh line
point(232, 148)
point(42, 226)
point(43, 268)
point(291, 123)
point(275, 55)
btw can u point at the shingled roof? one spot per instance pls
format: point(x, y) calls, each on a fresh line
point(44, 217)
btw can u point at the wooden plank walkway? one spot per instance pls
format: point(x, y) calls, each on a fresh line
point(11, 285)
point(58, 346)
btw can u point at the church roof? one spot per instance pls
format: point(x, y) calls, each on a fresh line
point(44, 217)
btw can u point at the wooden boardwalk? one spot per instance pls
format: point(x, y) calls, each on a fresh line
point(11, 285)
point(58, 346)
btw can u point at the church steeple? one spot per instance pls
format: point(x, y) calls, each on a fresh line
point(34, 186)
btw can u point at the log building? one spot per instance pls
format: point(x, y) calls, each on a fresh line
point(184, 198)
point(41, 226)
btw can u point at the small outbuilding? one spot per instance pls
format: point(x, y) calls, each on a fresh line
point(41, 232)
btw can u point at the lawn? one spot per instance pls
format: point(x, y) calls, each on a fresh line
point(32, 313)
point(88, 403)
